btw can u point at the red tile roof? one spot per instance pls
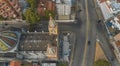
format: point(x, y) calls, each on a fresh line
point(45, 4)
point(117, 43)
point(102, 1)
point(15, 63)
point(8, 6)
point(117, 37)
point(118, 1)
point(50, 6)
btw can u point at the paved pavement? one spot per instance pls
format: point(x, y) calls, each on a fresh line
point(91, 34)
point(80, 30)
point(94, 30)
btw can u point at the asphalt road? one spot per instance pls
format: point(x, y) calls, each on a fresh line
point(94, 31)
point(80, 29)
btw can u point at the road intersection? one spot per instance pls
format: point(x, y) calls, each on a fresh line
point(86, 30)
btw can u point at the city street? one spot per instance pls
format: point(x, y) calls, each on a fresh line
point(79, 47)
point(87, 29)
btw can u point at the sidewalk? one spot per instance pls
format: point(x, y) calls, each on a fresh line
point(73, 37)
point(99, 13)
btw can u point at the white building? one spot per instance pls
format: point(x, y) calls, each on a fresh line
point(110, 9)
point(63, 9)
point(69, 2)
point(58, 1)
point(49, 64)
point(105, 8)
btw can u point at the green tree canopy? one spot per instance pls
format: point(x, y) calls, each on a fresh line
point(1, 18)
point(102, 63)
point(48, 12)
point(33, 3)
point(31, 16)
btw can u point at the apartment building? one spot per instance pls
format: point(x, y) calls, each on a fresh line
point(10, 9)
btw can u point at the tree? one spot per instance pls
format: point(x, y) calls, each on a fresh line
point(1, 18)
point(31, 16)
point(32, 3)
point(101, 63)
point(48, 12)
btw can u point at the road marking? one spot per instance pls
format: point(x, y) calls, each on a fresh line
point(87, 28)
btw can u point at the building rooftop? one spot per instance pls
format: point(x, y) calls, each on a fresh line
point(118, 1)
point(10, 9)
point(48, 64)
point(102, 1)
point(43, 26)
point(36, 41)
point(117, 44)
point(15, 63)
point(117, 37)
point(118, 18)
point(45, 5)
point(115, 6)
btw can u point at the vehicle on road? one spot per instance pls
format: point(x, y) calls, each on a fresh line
point(88, 42)
point(112, 58)
point(99, 21)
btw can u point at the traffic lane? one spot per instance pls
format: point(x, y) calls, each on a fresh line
point(90, 53)
point(79, 45)
point(79, 48)
point(67, 28)
point(91, 46)
point(80, 42)
point(92, 34)
point(81, 34)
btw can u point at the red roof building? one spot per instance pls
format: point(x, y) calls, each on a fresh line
point(10, 9)
point(118, 1)
point(45, 5)
point(50, 5)
point(15, 63)
point(101, 1)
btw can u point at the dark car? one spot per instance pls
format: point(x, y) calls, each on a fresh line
point(99, 21)
point(112, 58)
point(88, 42)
